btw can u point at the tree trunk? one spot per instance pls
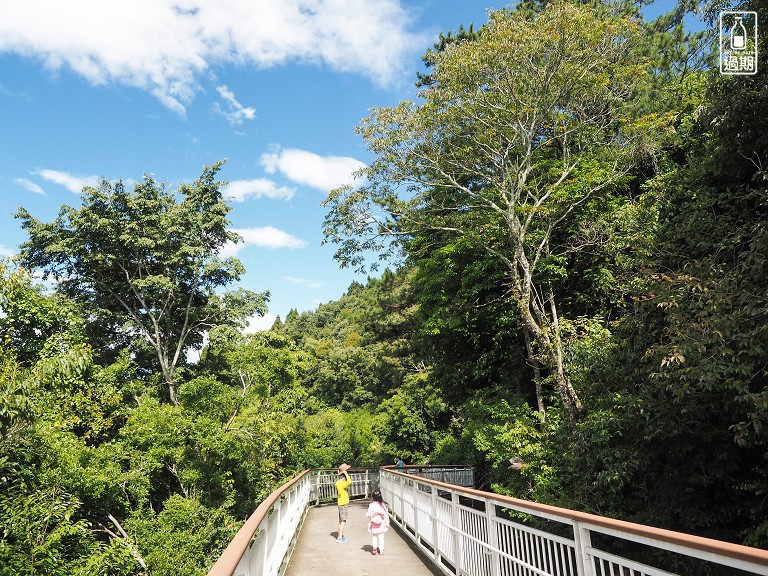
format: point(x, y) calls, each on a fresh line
point(543, 331)
point(534, 363)
point(168, 369)
point(571, 400)
point(172, 392)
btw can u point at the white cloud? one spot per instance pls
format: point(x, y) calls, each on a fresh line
point(7, 252)
point(239, 190)
point(29, 185)
point(303, 282)
point(260, 323)
point(310, 169)
point(263, 237)
point(69, 181)
point(235, 112)
point(164, 46)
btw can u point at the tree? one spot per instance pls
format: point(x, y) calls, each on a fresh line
point(709, 351)
point(520, 129)
point(146, 264)
point(30, 321)
point(443, 42)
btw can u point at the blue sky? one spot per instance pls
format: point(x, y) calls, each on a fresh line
point(115, 89)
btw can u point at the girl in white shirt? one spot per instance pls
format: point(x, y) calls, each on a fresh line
point(378, 522)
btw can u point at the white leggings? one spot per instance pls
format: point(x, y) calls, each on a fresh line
point(377, 541)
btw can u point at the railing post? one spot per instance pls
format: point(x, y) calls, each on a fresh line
point(265, 551)
point(401, 480)
point(582, 541)
point(493, 541)
point(433, 514)
point(274, 520)
point(260, 556)
point(456, 531)
point(415, 491)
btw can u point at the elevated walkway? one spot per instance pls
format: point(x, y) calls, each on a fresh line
point(318, 553)
point(451, 529)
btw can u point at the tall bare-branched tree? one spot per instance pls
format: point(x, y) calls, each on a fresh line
point(518, 128)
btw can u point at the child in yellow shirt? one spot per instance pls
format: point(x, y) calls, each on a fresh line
point(342, 501)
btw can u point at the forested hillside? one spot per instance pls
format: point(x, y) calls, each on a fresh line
point(574, 274)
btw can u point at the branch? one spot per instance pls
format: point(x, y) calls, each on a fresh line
point(242, 396)
point(124, 540)
point(251, 435)
point(172, 469)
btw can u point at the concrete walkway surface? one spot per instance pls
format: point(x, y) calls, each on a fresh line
point(318, 554)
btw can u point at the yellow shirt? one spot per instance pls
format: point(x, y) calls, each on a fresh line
point(341, 489)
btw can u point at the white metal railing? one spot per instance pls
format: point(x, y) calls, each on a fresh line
point(277, 532)
point(470, 533)
point(458, 475)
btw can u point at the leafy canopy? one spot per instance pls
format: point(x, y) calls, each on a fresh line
point(146, 262)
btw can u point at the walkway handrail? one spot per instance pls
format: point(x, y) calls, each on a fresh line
point(462, 531)
point(232, 555)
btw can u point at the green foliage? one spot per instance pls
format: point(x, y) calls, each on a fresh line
point(31, 321)
point(205, 395)
point(491, 428)
point(183, 538)
point(68, 465)
point(344, 378)
point(646, 283)
point(465, 327)
point(143, 262)
point(445, 40)
point(358, 348)
point(676, 437)
point(42, 535)
point(85, 400)
point(521, 148)
point(266, 368)
point(415, 414)
point(15, 405)
point(333, 436)
point(433, 150)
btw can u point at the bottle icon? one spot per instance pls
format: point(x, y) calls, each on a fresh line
point(738, 35)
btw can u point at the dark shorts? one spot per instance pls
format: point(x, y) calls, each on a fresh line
point(343, 513)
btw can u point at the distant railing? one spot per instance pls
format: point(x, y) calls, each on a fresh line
point(458, 475)
point(467, 532)
point(364, 481)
